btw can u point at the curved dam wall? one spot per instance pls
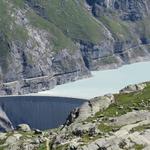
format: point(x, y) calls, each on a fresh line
point(39, 112)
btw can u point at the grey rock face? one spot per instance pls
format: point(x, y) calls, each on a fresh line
point(69, 67)
point(33, 64)
point(131, 118)
point(113, 54)
point(27, 86)
point(133, 88)
point(119, 48)
point(129, 9)
point(44, 74)
point(89, 109)
point(33, 71)
point(5, 123)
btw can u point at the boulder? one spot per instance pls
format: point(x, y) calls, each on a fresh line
point(133, 88)
point(13, 139)
point(73, 146)
point(23, 127)
point(2, 136)
point(37, 131)
point(90, 108)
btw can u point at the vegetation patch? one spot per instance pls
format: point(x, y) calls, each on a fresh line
point(138, 146)
point(125, 103)
point(107, 128)
point(141, 128)
point(42, 147)
point(56, 37)
point(117, 28)
point(71, 18)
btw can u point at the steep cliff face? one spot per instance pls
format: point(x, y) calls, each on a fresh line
point(127, 9)
point(127, 21)
point(35, 54)
point(45, 43)
point(5, 123)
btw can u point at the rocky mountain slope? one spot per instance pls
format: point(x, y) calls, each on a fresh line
point(50, 42)
point(120, 121)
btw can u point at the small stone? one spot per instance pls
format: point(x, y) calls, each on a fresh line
point(93, 121)
point(135, 108)
point(73, 146)
point(112, 120)
point(61, 126)
point(100, 116)
point(36, 141)
point(120, 107)
point(37, 131)
point(85, 122)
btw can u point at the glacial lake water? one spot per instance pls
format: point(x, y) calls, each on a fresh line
point(103, 82)
point(37, 111)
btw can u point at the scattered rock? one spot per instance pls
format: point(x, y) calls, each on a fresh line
point(80, 129)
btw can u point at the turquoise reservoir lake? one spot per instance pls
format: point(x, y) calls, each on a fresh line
point(103, 82)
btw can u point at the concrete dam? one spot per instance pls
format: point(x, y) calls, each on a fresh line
point(40, 112)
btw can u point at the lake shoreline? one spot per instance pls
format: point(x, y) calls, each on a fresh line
point(127, 75)
point(53, 92)
point(46, 83)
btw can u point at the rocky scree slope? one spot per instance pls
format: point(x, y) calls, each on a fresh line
point(50, 42)
point(120, 121)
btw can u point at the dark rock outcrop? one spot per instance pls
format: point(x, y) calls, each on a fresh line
point(89, 108)
point(125, 43)
point(132, 10)
point(63, 68)
point(5, 123)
